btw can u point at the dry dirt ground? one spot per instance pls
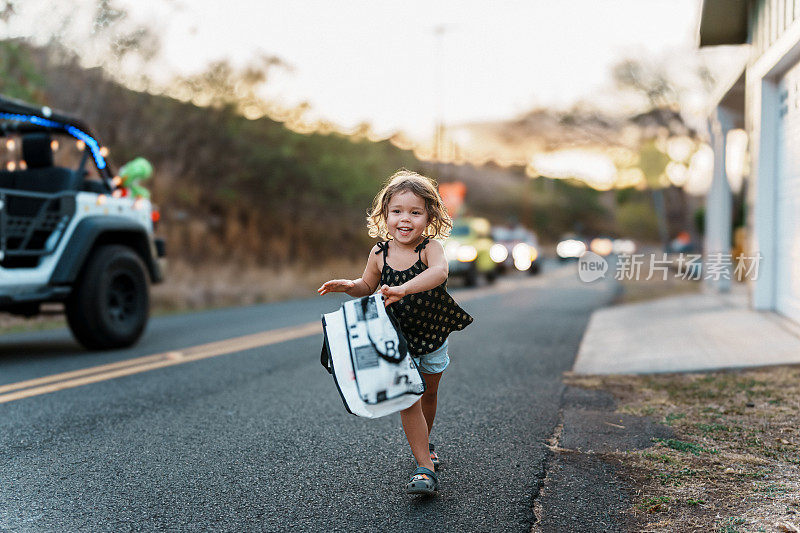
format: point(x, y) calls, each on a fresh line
point(734, 463)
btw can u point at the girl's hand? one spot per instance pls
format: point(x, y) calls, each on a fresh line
point(336, 285)
point(392, 294)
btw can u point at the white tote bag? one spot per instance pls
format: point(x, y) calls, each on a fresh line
point(367, 355)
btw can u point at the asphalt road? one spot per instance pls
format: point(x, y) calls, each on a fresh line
point(258, 439)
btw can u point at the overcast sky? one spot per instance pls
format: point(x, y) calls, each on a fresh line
point(380, 61)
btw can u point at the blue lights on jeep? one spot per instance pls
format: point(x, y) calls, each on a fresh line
point(93, 145)
point(90, 142)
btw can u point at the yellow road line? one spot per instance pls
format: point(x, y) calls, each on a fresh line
point(77, 373)
point(77, 378)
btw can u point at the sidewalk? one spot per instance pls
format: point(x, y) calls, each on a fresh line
point(686, 333)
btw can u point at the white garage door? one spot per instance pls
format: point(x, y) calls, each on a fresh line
point(787, 235)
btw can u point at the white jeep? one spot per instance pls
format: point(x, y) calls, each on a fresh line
point(69, 231)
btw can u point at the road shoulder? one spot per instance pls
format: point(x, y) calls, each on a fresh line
point(732, 463)
point(583, 489)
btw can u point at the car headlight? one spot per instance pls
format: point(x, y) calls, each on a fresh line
point(624, 246)
point(467, 253)
point(451, 250)
point(498, 253)
point(601, 246)
point(521, 251)
point(570, 248)
point(522, 262)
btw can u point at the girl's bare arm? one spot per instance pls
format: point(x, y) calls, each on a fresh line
point(363, 286)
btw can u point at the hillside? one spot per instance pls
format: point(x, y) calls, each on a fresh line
point(246, 196)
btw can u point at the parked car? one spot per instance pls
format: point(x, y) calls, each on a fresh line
point(516, 248)
point(72, 234)
point(468, 250)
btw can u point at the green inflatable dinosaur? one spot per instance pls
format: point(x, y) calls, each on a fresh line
point(134, 172)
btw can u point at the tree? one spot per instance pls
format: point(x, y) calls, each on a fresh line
point(665, 97)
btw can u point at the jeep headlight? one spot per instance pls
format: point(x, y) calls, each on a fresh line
point(466, 253)
point(451, 251)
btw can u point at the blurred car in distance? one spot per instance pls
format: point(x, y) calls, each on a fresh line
point(623, 246)
point(570, 247)
point(468, 250)
point(602, 246)
point(515, 248)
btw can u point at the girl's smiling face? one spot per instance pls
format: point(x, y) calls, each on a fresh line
point(407, 217)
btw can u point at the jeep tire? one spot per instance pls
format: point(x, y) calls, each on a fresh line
point(471, 277)
point(110, 304)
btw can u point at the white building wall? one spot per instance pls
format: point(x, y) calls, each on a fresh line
point(761, 191)
point(776, 50)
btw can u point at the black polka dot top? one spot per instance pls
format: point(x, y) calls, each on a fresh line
point(426, 318)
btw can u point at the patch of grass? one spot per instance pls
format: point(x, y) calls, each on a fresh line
point(683, 446)
point(671, 417)
point(695, 501)
point(655, 504)
point(659, 457)
point(761, 474)
point(770, 490)
point(648, 411)
point(730, 525)
point(711, 428)
point(676, 478)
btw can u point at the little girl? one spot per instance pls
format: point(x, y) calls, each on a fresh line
point(409, 213)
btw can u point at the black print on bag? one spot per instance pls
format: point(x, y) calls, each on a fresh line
point(370, 384)
point(370, 313)
point(366, 357)
point(391, 351)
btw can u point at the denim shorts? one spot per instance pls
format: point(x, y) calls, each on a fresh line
point(434, 362)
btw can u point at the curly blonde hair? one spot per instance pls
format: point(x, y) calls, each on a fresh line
point(439, 222)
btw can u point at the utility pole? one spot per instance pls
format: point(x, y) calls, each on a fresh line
point(439, 32)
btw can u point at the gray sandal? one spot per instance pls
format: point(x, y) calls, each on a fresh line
point(423, 481)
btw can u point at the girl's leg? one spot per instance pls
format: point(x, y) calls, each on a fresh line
point(428, 400)
point(417, 434)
